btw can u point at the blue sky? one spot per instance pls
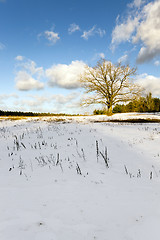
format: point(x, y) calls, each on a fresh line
point(44, 44)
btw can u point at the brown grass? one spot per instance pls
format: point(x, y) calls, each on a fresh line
point(138, 120)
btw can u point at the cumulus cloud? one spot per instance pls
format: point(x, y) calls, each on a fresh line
point(65, 76)
point(146, 54)
point(28, 75)
point(149, 31)
point(141, 25)
point(93, 31)
point(19, 58)
point(25, 82)
point(123, 32)
point(149, 83)
point(73, 28)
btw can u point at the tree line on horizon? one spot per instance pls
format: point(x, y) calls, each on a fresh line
point(28, 114)
point(141, 104)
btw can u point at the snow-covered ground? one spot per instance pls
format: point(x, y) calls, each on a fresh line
point(79, 180)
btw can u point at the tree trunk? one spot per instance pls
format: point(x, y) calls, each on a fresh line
point(110, 110)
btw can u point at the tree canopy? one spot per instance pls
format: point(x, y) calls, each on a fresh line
point(109, 83)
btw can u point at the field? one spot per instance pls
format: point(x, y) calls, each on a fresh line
point(80, 178)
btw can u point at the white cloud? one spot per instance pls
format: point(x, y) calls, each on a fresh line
point(32, 68)
point(149, 32)
point(141, 25)
point(28, 75)
point(5, 100)
point(87, 34)
point(73, 28)
point(136, 3)
point(157, 63)
point(93, 31)
point(51, 36)
point(2, 46)
point(67, 103)
point(100, 32)
point(146, 54)
point(25, 82)
point(149, 83)
point(49, 103)
point(123, 32)
point(123, 58)
point(6, 96)
point(19, 58)
point(34, 103)
point(65, 99)
point(65, 76)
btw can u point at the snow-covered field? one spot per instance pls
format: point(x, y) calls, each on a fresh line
point(79, 180)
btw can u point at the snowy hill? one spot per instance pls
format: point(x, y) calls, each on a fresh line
point(78, 179)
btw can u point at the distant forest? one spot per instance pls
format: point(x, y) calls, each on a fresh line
point(28, 114)
point(142, 104)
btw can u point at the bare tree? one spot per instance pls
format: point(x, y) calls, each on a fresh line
point(110, 84)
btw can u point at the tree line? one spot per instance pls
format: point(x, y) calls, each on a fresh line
point(141, 104)
point(28, 114)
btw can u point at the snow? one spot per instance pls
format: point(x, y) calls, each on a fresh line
point(55, 184)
